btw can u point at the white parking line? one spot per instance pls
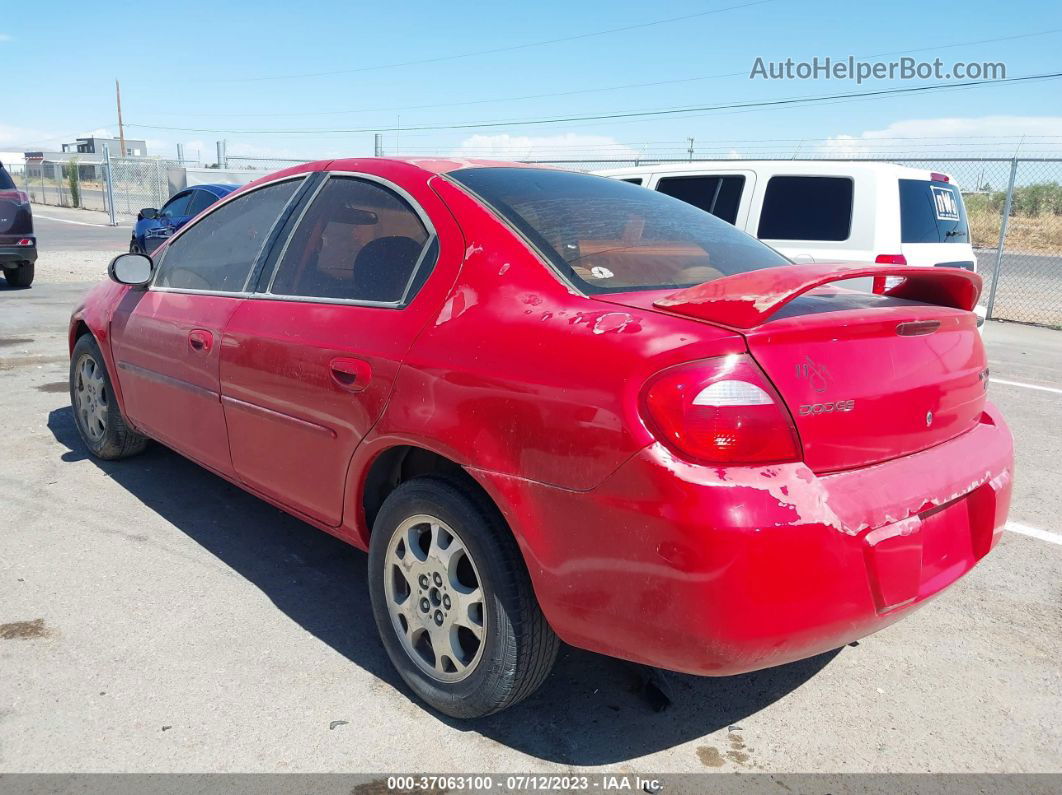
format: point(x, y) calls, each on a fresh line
point(1056, 390)
point(68, 221)
point(1033, 532)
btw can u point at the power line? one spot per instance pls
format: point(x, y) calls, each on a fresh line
point(494, 50)
point(622, 114)
point(651, 84)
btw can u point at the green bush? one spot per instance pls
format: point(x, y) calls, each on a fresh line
point(74, 183)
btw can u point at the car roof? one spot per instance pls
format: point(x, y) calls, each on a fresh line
point(793, 167)
point(217, 188)
point(436, 165)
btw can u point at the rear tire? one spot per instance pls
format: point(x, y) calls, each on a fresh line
point(99, 421)
point(22, 276)
point(453, 601)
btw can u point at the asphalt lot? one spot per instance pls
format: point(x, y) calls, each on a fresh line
point(167, 621)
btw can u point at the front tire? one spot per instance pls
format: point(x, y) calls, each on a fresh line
point(22, 276)
point(453, 601)
point(100, 422)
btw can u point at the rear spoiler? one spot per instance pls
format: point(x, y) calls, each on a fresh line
point(746, 300)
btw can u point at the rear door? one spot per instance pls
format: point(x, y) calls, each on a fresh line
point(167, 340)
point(308, 362)
point(814, 218)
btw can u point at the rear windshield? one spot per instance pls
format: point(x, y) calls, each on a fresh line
point(606, 235)
point(932, 212)
point(6, 183)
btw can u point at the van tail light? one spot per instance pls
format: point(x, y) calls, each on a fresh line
point(880, 284)
point(26, 241)
point(720, 411)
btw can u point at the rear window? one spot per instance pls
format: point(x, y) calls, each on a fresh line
point(633, 180)
point(718, 195)
point(932, 212)
point(6, 183)
point(606, 235)
point(806, 208)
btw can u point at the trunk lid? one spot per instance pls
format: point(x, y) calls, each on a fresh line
point(867, 378)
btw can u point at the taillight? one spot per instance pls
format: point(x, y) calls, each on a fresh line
point(881, 284)
point(720, 411)
point(26, 241)
point(936, 176)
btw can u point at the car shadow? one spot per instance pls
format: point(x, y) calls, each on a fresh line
point(593, 710)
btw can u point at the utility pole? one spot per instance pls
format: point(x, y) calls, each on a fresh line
point(121, 129)
point(690, 150)
point(378, 145)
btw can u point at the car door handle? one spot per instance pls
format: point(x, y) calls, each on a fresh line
point(350, 374)
point(200, 341)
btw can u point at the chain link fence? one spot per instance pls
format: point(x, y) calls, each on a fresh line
point(1020, 261)
point(135, 182)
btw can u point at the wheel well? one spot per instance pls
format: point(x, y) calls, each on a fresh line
point(80, 330)
point(397, 465)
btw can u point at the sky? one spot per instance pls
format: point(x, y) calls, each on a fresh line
point(313, 79)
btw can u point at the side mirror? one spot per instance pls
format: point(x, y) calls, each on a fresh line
point(131, 269)
point(149, 213)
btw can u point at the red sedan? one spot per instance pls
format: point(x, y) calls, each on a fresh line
point(558, 406)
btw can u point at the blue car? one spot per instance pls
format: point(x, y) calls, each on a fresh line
point(154, 226)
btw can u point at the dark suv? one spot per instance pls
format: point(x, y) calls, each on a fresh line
point(18, 245)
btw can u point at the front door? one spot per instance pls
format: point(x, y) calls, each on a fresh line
point(307, 365)
point(167, 341)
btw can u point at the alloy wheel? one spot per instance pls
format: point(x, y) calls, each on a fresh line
point(435, 598)
point(91, 400)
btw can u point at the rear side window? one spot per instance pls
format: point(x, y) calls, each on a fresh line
point(718, 195)
point(605, 235)
point(633, 180)
point(217, 252)
point(806, 208)
point(932, 212)
point(201, 199)
point(6, 183)
point(358, 241)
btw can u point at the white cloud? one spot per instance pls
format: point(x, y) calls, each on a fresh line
point(1000, 136)
point(567, 146)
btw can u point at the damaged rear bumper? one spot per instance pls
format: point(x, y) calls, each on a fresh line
point(725, 570)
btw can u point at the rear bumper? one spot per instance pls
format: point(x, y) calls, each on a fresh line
point(722, 571)
point(11, 255)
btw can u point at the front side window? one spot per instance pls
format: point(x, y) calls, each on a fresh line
point(606, 235)
point(177, 206)
point(719, 195)
point(218, 252)
point(358, 241)
point(806, 208)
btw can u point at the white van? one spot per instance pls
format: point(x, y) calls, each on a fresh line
point(814, 210)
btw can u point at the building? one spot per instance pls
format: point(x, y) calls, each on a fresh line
point(94, 146)
point(88, 154)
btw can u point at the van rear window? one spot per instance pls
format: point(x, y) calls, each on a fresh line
point(932, 212)
point(806, 208)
